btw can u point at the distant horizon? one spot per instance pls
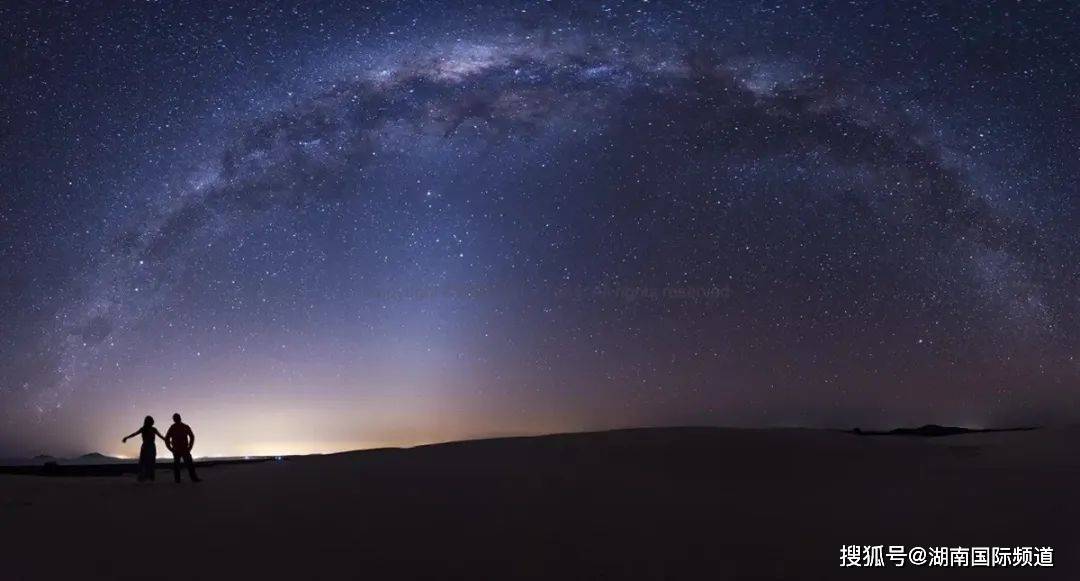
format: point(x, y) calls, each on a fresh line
point(868, 428)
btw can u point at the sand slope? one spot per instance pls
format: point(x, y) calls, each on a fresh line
point(673, 503)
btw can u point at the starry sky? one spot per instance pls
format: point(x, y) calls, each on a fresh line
point(333, 225)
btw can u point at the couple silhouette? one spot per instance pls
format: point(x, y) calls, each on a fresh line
point(179, 440)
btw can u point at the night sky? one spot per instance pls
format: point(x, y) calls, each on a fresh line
point(330, 226)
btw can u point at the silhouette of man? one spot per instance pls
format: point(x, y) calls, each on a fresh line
point(179, 440)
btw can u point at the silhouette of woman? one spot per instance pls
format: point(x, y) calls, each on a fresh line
point(148, 453)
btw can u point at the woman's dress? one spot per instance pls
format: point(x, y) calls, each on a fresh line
point(147, 455)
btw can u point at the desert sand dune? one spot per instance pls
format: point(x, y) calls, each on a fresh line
point(672, 503)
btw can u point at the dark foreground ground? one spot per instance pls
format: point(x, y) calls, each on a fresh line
point(681, 503)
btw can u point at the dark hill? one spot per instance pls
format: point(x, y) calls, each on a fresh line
point(935, 431)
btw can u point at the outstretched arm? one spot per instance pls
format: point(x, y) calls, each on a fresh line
point(160, 436)
point(132, 434)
